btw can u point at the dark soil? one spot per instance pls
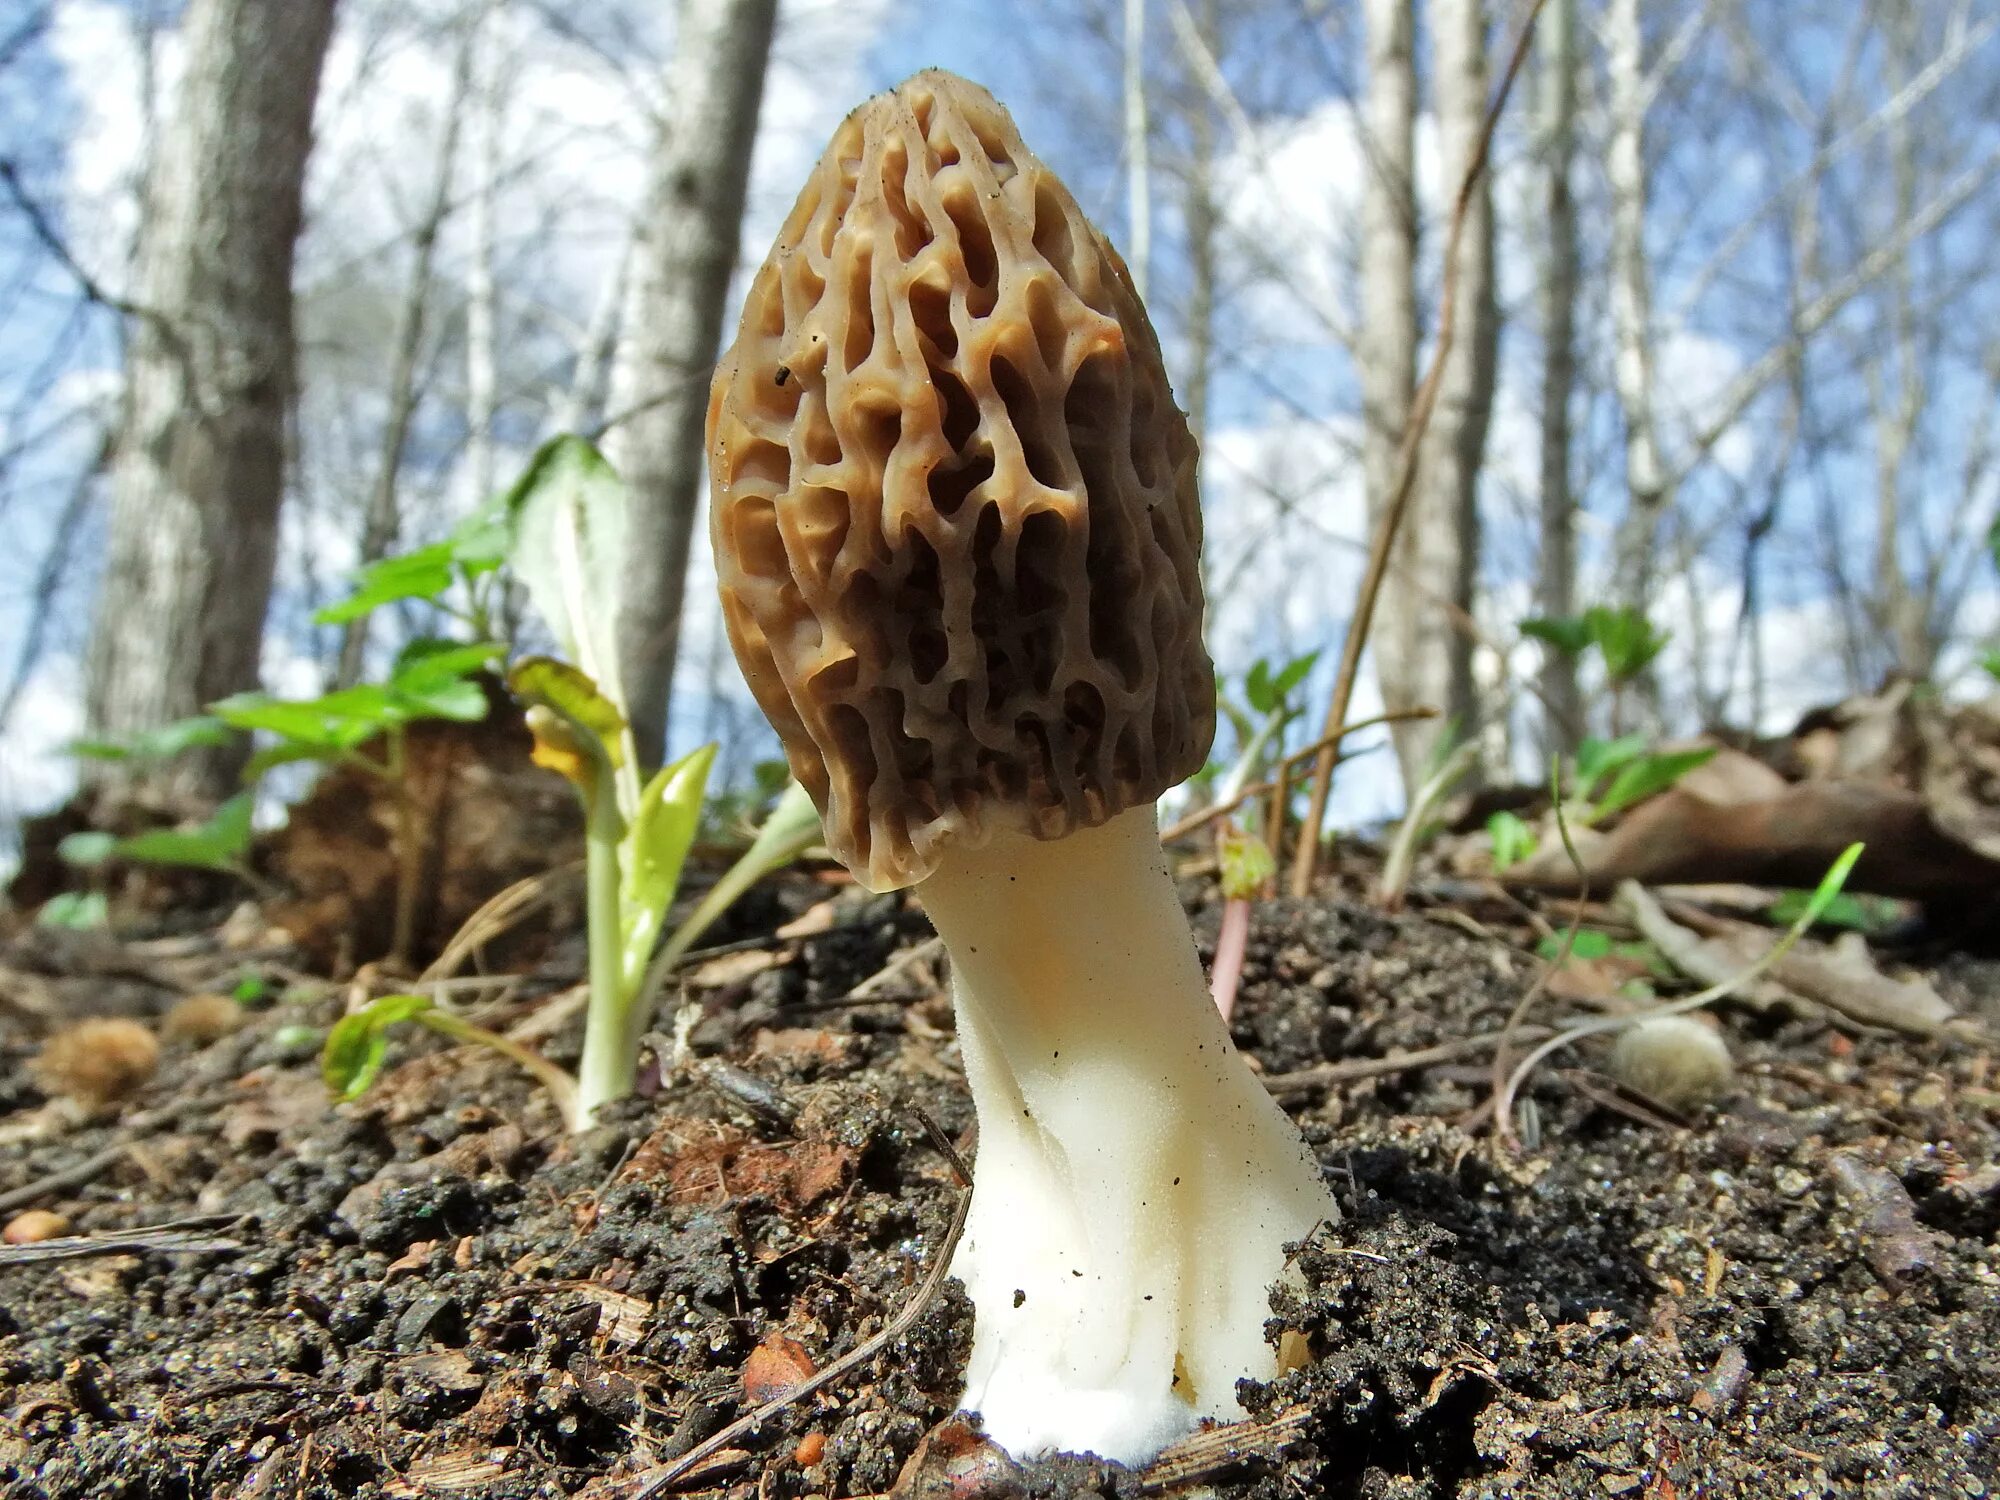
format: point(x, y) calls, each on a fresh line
point(432, 1291)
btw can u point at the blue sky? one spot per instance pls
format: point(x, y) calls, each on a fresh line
point(1284, 399)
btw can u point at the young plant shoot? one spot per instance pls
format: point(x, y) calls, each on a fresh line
point(568, 540)
point(958, 536)
point(562, 531)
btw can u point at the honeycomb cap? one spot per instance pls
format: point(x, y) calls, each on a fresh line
point(954, 506)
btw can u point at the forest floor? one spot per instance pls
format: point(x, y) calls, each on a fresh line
point(432, 1291)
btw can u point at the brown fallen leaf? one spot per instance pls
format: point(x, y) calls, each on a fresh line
point(735, 968)
point(1787, 839)
point(953, 1462)
point(1842, 977)
point(775, 1366)
point(814, 920)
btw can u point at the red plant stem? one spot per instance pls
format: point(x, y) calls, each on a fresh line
point(1230, 946)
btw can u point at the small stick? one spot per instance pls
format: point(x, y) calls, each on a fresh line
point(1202, 817)
point(1353, 1069)
point(70, 1177)
point(1305, 858)
point(901, 1324)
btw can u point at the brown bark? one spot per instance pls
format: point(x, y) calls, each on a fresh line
point(200, 467)
point(694, 222)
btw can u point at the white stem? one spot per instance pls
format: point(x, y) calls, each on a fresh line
point(1136, 1186)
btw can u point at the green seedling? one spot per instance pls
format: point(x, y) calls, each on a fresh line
point(1512, 839)
point(358, 1046)
point(565, 523)
point(1246, 862)
point(222, 844)
point(77, 911)
point(1611, 775)
point(367, 728)
point(1816, 906)
point(467, 562)
point(1624, 639)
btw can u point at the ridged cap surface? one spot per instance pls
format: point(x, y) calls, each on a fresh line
point(954, 505)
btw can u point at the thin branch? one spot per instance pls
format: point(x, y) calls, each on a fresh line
point(1305, 861)
point(1202, 817)
point(664, 1478)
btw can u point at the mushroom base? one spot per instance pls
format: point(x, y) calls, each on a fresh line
point(1135, 1186)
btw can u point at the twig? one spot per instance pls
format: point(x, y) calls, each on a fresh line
point(1305, 859)
point(70, 1177)
point(895, 1328)
point(927, 949)
point(1503, 1124)
point(1354, 1069)
point(1202, 817)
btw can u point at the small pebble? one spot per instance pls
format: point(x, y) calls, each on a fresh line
point(1682, 1061)
point(202, 1019)
point(34, 1226)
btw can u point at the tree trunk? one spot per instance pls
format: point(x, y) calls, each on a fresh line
point(1648, 491)
point(1443, 524)
point(1555, 588)
point(695, 216)
point(200, 468)
point(1388, 332)
point(1423, 655)
point(1138, 155)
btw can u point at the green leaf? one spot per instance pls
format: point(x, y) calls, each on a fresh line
point(333, 723)
point(1625, 638)
point(1829, 885)
point(218, 844)
point(157, 744)
point(1596, 759)
point(423, 574)
point(1246, 864)
point(545, 682)
point(285, 753)
point(87, 848)
point(567, 545)
point(1869, 914)
point(78, 911)
point(431, 679)
point(248, 989)
point(1569, 634)
point(652, 853)
point(1295, 672)
point(1588, 943)
point(792, 828)
point(1641, 778)
point(1991, 661)
point(1513, 840)
point(359, 1044)
point(479, 542)
point(1258, 689)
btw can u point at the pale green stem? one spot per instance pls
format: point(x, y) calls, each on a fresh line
point(792, 828)
point(610, 1050)
point(561, 1087)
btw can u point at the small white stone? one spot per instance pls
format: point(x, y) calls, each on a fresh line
point(1682, 1061)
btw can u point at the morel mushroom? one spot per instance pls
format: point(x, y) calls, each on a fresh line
point(957, 531)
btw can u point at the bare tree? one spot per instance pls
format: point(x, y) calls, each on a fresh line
point(1648, 491)
point(1441, 550)
point(1138, 175)
point(1387, 344)
point(200, 462)
point(660, 390)
point(1555, 586)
